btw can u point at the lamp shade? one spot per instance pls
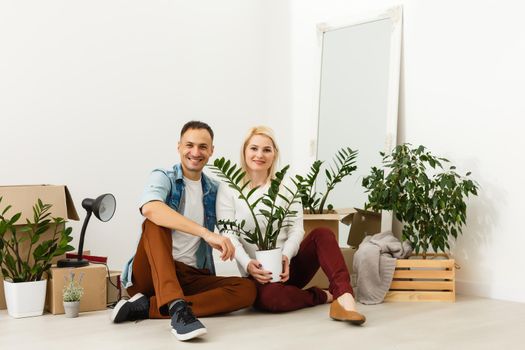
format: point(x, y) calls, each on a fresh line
point(103, 207)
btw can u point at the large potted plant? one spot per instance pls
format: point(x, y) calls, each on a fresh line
point(318, 212)
point(276, 212)
point(428, 196)
point(315, 202)
point(25, 257)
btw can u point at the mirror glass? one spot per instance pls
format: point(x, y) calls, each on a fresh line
point(358, 101)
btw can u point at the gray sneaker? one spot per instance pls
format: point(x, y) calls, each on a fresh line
point(184, 324)
point(136, 308)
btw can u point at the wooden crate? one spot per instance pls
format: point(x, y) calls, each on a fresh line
point(423, 280)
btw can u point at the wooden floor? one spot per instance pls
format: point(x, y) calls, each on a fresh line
point(470, 323)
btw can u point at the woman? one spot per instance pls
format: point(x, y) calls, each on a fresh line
point(301, 257)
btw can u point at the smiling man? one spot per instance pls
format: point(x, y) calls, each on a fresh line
point(173, 265)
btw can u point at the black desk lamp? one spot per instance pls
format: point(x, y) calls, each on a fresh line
point(103, 207)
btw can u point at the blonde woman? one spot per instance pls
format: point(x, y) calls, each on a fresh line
point(301, 257)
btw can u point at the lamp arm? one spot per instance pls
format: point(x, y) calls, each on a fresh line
point(82, 234)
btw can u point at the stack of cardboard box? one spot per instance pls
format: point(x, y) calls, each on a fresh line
point(22, 199)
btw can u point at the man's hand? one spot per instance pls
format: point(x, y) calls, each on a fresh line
point(221, 243)
point(286, 269)
point(260, 275)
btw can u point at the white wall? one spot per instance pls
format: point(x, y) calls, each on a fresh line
point(462, 96)
point(93, 94)
point(277, 75)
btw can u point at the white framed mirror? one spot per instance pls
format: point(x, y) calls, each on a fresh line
point(358, 97)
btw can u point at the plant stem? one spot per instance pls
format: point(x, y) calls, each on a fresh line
point(33, 230)
point(243, 197)
point(15, 252)
point(269, 226)
point(287, 209)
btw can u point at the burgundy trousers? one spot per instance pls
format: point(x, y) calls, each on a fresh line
point(318, 249)
point(163, 280)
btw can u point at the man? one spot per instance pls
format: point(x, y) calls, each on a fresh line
point(173, 265)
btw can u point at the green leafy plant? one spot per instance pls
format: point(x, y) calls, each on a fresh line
point(19, 267)
point(426, 197)
point(274, 216)
point(314, 202)
point(72, 290)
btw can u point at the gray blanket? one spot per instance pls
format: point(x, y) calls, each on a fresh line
point(374, 264)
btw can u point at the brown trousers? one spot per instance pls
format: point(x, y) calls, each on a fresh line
point(157, 276)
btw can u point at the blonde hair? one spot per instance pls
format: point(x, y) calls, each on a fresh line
point(263, 131)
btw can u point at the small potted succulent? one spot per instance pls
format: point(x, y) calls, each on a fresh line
point(72, 293)
point(275, 215)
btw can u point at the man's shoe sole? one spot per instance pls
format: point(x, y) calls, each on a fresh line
point(123, 304)
point(187, 336)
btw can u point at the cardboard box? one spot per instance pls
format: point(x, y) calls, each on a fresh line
point(362, 223)
point(23, 198)
point(320, 280)
point(114, 289)
point(93, 281)
point(331, 221)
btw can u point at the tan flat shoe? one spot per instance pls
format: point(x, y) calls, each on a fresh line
point(338, 313)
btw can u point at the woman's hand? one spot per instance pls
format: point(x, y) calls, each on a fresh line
point(285, 276)
point(256, 271)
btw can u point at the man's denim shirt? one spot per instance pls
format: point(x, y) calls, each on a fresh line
point(176, 200)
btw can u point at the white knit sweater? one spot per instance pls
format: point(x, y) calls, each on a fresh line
point(230, 207)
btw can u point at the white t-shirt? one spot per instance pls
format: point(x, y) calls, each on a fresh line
point(185, 245)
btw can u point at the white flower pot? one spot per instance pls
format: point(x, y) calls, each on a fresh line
point(271, 260)
point(25, 299)
point(71, 308)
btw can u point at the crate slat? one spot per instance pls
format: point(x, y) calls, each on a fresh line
point(420, 296)
point(432, 274)
point(448, 263)
point(423, 285)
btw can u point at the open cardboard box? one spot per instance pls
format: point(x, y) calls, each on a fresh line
point(23, 198)
point(362, 223)
point(330, 220)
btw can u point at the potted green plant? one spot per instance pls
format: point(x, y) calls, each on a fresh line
point(315, 202)
point(72, 293)
point(276, 212)
point(26, 255)
point(427, 198)
point(317, 211)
